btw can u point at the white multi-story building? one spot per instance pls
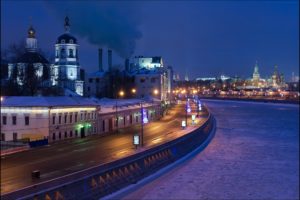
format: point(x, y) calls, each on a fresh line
point(55, 118)
point(59, 118)
point(66, 69)
point(140, 62)
point(151, 83)
point(156, 82)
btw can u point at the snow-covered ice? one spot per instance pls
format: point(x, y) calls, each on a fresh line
point(254, 155)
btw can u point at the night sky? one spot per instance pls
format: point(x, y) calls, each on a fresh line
point(198, 37)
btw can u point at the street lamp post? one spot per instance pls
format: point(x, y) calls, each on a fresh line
point(121, 93)
point(186, 113)
point(117, 114)
point(142, 125)
point(198, 107)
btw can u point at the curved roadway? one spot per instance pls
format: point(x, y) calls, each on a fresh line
point(77, 154)
point(254, 155)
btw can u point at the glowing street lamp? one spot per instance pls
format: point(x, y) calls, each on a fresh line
point(188, 109)
point(155, 91)
point(133, 90)
point(121, 93)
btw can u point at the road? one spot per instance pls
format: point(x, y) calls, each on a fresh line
point(254, 155)
point(77, 154)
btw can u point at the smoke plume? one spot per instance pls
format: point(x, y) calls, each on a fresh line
point(107, 24)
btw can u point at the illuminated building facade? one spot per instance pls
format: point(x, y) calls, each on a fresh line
point(277, 78)
point(54, 118)
point(66, 69)
point(256, 76)
point(140, 62)
point(59, 118)
point(31, 56)
point(152, 78)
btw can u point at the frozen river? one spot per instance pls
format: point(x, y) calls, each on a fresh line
point(254, 155)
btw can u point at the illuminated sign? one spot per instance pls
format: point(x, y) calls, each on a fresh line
point(136, 139)
point(183, 124)
point(200, 106)
point(145, 118)
point(193, 117)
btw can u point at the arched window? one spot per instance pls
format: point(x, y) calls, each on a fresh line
point(63, 41)
point(71, 41)
point(71, 54)
point(63, 53)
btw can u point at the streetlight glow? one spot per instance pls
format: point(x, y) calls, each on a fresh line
point(133, 90)
point(121, 93)
point(155, 91)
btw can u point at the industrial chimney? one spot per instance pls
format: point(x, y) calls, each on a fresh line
point(109, 60)
point(100, 60)
point(127, 64)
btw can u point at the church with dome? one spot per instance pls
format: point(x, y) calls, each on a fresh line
point(65, 72)
point(19, 70)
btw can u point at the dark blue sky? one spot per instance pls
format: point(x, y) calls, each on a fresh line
point(201, 37)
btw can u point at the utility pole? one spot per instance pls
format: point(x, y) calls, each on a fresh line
point(117, 118)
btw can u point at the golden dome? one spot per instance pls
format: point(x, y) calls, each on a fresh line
point(31, 32)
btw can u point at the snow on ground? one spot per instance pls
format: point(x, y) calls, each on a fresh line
point(254, 155)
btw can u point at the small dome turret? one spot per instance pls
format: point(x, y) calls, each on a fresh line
point(31, 32)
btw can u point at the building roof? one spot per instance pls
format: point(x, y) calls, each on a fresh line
point(66, 37)
point(97, 74)
point(144, 71)
point(33, 101)
point(108, 105)
point(156, 59)
point(32, 57)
